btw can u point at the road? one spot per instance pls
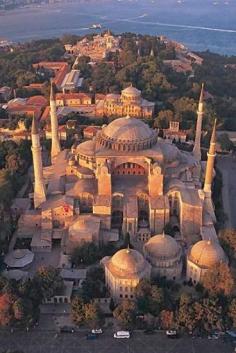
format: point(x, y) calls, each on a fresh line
point(48, 342)
point(227, 166)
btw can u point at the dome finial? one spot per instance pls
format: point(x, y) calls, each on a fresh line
point(128, 249)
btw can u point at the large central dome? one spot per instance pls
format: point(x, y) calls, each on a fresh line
point(128, 129)
point(128, 134)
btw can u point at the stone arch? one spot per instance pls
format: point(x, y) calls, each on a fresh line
point(86, 201)
point(174, 198)
point(143, 210)
point(117, 210)
point(129, 168)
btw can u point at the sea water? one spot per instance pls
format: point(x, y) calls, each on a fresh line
point(201, 25)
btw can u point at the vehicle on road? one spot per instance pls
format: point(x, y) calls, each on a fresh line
point(172, 334)
point(91, 336)
point(97, 331)
point(122, 334)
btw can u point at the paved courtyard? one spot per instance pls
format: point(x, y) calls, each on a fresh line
point(49, 342)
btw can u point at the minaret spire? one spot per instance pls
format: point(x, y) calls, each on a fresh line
point(200, 112)
point(39, 188)
point(56, 147)
point(210, 161)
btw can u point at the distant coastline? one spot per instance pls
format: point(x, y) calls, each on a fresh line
point(200, 27)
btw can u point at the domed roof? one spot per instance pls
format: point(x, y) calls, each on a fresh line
point(161, 247)
point(207, 254)
point(128, 129)
point(131, 91)
point(127, 263)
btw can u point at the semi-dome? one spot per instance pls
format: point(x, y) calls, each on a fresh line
point(127, 263)
point(207, 254)
point(127, 133)
point(162, 247)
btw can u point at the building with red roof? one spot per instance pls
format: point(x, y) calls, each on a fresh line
point(73, 99)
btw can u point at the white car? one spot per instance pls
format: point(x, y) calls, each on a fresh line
point(171, 333)
point(122, 334)
point(97, 331)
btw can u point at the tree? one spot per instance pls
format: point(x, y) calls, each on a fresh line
point(219, 280)
point(6, 314)
point(142, 294)
point(93, 315)
point(94, 284)
point(49, 281)
point(86, 254)
point(232, 312)
point(228, 241)
point(186, 315)
point(78, 310)
point(225, 143)
point(167, 319)
point(125, 314)
point(163, 119)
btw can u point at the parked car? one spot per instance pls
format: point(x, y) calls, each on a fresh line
point(172, 334)
point(122, 334)
point(97, 331)
point(91, 336)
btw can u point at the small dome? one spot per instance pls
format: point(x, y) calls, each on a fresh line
point(128, 129)
point(131, 91)
point(127, 263)
point(162, 247)
point(207, 254)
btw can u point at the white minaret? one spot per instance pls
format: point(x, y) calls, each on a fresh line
point(197, 143)
point(211, 155)
point(39, 188)
point(56, 147)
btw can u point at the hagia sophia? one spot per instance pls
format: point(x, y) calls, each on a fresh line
point(127, 180)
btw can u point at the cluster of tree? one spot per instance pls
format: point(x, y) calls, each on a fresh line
point(16, 68)
point(89, 253)
point(85, 313)
point(14, 162)
point(228, 242)
point(211, 307)
point(94, 284)
point(20, 300)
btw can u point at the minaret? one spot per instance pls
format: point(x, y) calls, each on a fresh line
point(200, 112)
point(210, 162)
point(56, 147)
point(39, 188)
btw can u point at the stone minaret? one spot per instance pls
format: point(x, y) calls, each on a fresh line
point(210, 162)
point(39, 188)
point(200, 112)
point(56, 147)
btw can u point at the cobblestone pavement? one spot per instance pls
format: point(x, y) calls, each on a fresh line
point(50, 342)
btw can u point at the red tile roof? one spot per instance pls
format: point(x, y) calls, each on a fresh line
point(72, 95)
point(40, 101)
